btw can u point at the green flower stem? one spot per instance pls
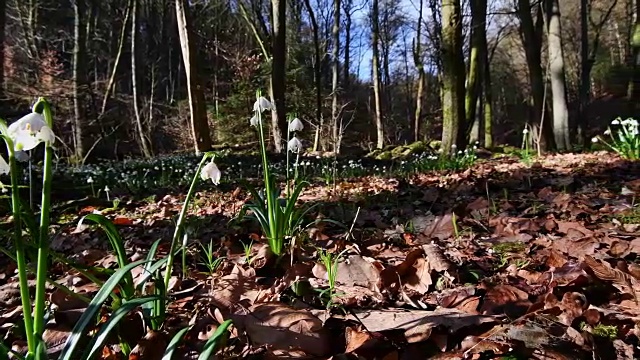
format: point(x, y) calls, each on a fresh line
point(20, 251)
point(287, 150)
point(267, 183)
point(180, 224)
point(43, 238)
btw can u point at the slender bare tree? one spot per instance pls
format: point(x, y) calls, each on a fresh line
point(197, 106)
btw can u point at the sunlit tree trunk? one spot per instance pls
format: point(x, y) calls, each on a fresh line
point(532, 43)
point(417, 60)
point(146, 151)
point(557, 77)
point(633, 88)
point(197, 106)
point(488, 101)
point(335, 68)
point(278, 71)
point(79, 74)
point(317, 74)
point(375, 35)
point(453, 77)
point(116, 61)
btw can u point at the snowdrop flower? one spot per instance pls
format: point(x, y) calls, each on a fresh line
point(607, 132)
point(254, 121)
point(525, 131)
point(615, 122)
point(454, 147)
point(29, 131)
point(211, 171)
point(262, 104)
point(4, 167)
point(295, 125)
point(90, 180)
point(594, 139)
point(294, 145)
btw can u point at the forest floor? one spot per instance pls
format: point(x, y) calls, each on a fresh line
point(501, 260)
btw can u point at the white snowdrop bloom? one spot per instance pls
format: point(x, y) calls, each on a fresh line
point(106, 188)
point(262, 104)
point(294, 145)
point(89, 180)
point(615, 122)
point(454, 147)
point(594, 139)
point(4, 167)
point(254, 121)
point(295, 125)
point(607, 132)
point(211, 171)
point(525, 131)
point(29, 131)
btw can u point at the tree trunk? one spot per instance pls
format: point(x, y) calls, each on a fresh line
point(197, 106)
point(346, 81)
point(317, 75)
point(585, 70)
point(488, 100)
point(278, 71)
point(116, 62)
point(531, 40)
point(79, 73)
point(3, 19)
point(633, 89)
point(453, 77)
point(146, 151)
point(417, 60)
point(476, 67)
point(335, 68)
point(556, 74)
point(375, 68)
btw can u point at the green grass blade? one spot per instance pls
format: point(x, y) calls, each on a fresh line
point(114, 319)
point(173, 344)
point(214, 341)
point(89, 315)
point(118, 246)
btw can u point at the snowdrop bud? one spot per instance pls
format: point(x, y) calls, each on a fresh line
point(454, 147)
point(90, 180)
point(525, 131)
point(211, 171)
point(594, 139)
point(106, 188)
point(4, 167)
point(261, 104)
point(254, 121)
point(295, 125)
point(615, 122)
point(607, 132)
point(294, 145)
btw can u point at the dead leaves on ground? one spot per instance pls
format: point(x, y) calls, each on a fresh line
point(498, 260)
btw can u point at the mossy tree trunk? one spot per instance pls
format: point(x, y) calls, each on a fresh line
point(453, 78)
